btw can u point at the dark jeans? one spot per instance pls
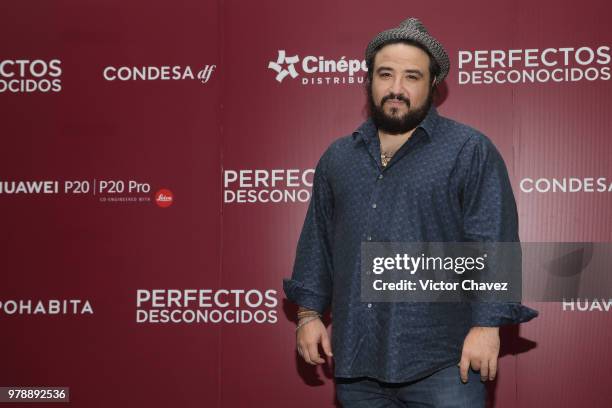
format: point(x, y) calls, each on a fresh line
point(443, 389)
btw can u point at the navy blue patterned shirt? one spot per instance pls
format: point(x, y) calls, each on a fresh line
point(447, 183)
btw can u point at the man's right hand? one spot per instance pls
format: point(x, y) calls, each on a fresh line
point(308, 338)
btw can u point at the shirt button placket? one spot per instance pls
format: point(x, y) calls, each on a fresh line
point(369, 237)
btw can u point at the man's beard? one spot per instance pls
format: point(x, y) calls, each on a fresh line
point(395, 125)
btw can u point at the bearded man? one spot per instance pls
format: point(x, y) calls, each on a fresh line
point(407, 174)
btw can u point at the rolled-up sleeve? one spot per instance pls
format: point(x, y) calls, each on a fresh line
point(490, 215)
point(310, 285)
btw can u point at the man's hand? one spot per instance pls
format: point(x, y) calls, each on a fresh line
point(480, 350)
point(308, 338)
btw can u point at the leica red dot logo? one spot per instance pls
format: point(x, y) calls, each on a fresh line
point(164, 198)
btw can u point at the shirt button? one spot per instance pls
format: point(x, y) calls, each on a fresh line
point(374, 205)
point(369, 305)
point(380, 176)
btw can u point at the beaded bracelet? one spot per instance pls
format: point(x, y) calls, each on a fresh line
point(306, 320)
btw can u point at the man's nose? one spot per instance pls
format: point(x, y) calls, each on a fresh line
point(396, 87)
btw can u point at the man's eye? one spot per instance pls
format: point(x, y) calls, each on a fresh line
point(385, 75)
point(413, 77)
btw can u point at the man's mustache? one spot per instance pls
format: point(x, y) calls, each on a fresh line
point(393, 96)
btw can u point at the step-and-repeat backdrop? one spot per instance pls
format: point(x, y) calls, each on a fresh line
point(156, 166)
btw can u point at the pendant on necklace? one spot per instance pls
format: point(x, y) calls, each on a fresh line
point(384, 159)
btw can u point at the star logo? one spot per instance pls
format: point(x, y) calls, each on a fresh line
point(282, 59)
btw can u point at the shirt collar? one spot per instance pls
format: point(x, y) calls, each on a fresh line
point(367, 130)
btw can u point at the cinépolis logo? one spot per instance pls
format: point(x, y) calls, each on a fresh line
point(158, 73)
point(12, 307)
point(534, 65)
point(318, 70)
point(267, 186)
point(231, 306)
point(29, 76)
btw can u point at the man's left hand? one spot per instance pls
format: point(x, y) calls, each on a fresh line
point(480, 350)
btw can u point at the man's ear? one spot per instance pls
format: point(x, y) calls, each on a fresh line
point(434, 80)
